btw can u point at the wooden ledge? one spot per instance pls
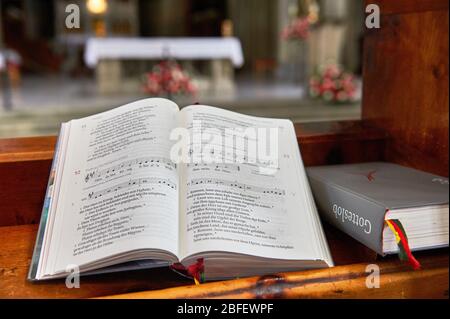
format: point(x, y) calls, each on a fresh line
point(17, 243)
point(343, 281)
point(27, 149)
point(350, 281)
point(314, 132)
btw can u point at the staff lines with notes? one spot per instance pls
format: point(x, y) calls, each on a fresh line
point(214, 167)
point(128, 166)
point(228, 168)
point(131, 183)
point(231, 156)
point(241, 186)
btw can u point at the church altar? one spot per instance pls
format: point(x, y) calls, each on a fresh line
point(108, 56)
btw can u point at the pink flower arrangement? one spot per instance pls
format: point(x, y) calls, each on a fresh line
point(332, 84)
point(298, 29)
point(168, 78)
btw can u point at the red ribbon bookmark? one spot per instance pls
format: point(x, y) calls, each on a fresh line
point(196, 271)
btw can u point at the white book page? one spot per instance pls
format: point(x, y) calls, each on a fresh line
point(120, 189)
point(242, 207)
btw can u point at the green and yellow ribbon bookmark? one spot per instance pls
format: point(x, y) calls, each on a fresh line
point(404, 252)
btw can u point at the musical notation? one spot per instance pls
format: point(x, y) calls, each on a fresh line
point(131, 183)
point(246, 187)
point(214, 152)
point(235, 156)
point(127, 166)
point(214, 167)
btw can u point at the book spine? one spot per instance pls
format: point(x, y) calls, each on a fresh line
point(355, 215)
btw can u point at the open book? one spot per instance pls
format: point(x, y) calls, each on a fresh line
point(148, 185)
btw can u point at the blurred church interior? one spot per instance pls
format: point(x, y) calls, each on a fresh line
point(233, 51)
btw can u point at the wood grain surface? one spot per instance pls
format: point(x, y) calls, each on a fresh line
point(406, 82)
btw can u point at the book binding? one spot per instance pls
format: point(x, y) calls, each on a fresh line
point(356, 215)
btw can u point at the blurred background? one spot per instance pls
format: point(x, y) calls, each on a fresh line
point(297, 59)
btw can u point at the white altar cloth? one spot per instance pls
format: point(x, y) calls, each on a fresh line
point(160, 48)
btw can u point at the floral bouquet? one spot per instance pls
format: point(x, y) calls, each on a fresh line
point(332, 84)
point(168, 78)
point(298, 29)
